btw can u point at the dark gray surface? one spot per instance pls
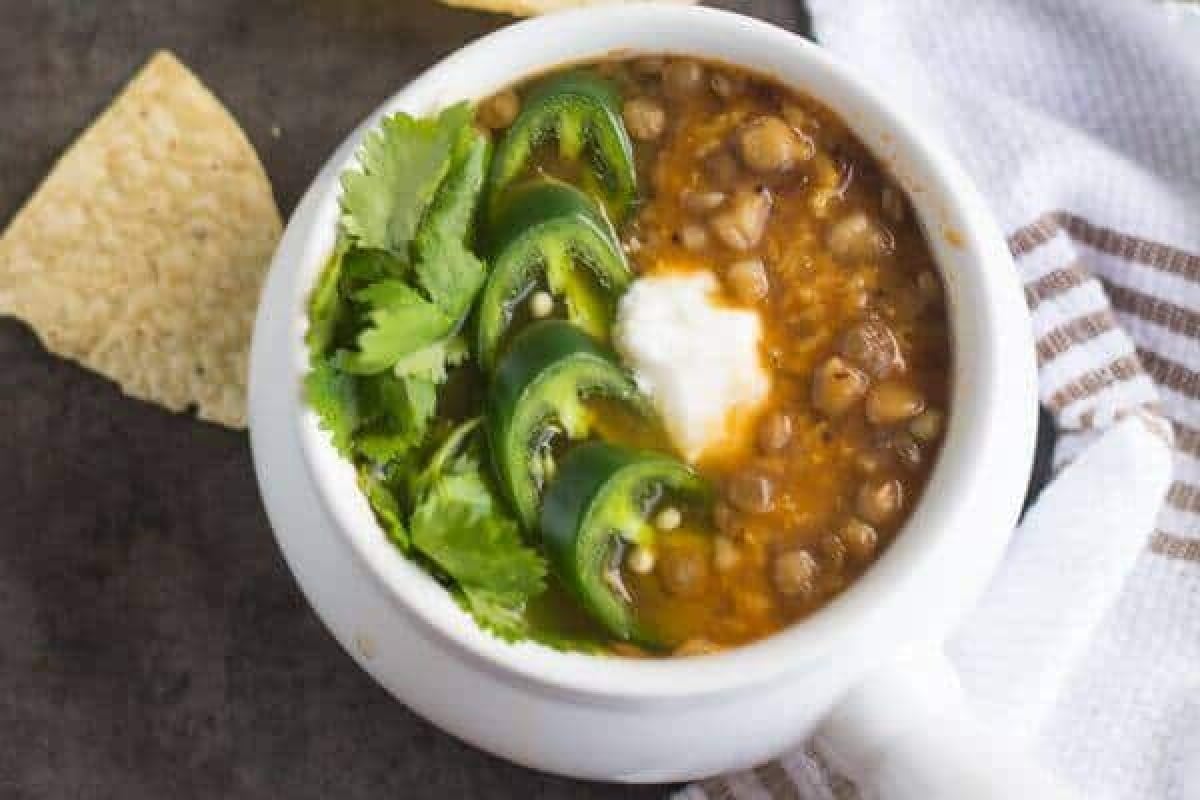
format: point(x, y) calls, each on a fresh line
point(152, 642)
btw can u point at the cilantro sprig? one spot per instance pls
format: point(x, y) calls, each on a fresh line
point(385, 321)
point(402, 164)
point(385, 313)
point(458, 524)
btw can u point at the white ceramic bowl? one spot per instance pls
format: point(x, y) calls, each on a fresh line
point(634, 720)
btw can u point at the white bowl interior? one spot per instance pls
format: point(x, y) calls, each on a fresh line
point(966, 247)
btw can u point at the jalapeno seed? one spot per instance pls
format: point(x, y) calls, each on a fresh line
point(541, 304)
point(640, 560)
point(668, 519)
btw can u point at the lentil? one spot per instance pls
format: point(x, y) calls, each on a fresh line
point(891, 402)
point(499, 110)
point(645, 119)
point(743, 225)
point(879, 502)
point(837, 386)
point(794, 573)
point(747, 280)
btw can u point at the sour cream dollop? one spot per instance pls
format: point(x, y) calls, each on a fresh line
point(699, 362)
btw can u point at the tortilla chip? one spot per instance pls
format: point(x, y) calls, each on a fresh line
point(529, 8)
point(141, 254)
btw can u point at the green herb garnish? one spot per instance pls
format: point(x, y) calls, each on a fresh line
point(385, 323)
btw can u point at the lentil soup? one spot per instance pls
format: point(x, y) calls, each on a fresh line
point(591, 518)
point(769, 189)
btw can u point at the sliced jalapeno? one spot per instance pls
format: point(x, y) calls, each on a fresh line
point(551, 231)
point(583, 112)
point(599, 500)
point(538, 398)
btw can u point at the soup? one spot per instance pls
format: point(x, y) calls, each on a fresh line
point(646, 355)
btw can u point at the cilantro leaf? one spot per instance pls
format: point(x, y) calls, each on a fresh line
point(409, 333)
point(361, 268)
point(401, 165)
point(408, 329)
point(386, 509)
point(400, 410)
point(493, 614)
point(460, 527)
point(325, 306)
point(450, 457)
point(401, 323)
point(450, 274)
point(446, 269)
point(385, 322)
point(334, 396)
point(480, 551)
point(453, 209)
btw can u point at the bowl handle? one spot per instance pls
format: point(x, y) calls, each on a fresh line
point(907, 733)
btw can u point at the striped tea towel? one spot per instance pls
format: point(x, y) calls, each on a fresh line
point(1080, 122)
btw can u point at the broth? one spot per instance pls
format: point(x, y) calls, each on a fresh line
point(856, 344)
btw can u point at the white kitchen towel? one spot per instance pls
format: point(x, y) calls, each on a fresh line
point(1080, 122)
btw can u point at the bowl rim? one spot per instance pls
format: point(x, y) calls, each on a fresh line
point(966, 246)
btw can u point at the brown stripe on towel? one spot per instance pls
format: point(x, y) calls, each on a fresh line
point(1094, 381)
point(776, 780)
point(1162, 257)
point(1177, 319)
point(1035, 234)
point(717, 789)
point(1184, 496)
point(1187, 439)
point(1170, 373)
point(1177, 547)
point(1076, 332)
point(1131, 248)
point(1054, 283)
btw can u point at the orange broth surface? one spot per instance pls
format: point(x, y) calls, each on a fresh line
point(856, 344)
